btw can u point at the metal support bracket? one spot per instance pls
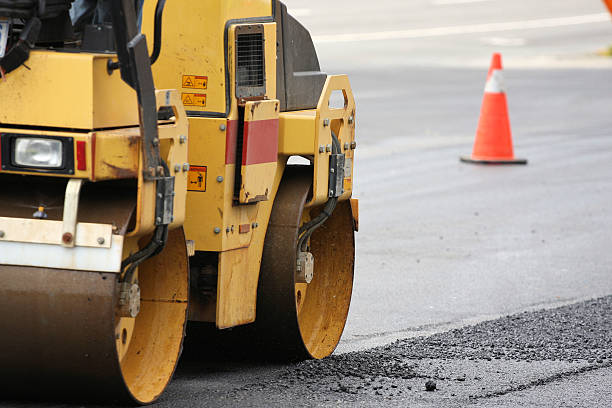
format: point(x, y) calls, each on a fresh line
point(71, 210)
point(305, 268)
point(336, 175)
point(164, 205)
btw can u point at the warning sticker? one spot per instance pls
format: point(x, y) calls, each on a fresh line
point(348, 184)
point(197, 178)
point(348, 173)
point(192, 99)
point(195, 82)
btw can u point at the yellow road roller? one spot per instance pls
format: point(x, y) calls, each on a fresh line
point(205, 175)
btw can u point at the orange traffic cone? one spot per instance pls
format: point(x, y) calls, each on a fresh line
point(494, 139)
point(609, 4)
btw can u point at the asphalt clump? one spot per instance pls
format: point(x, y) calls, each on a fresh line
point(574, 333)
point(570, 333)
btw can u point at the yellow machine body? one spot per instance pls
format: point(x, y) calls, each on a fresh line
point(216, 219)
point(228, 154)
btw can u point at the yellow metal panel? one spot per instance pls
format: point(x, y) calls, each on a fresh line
point(297, 133)
point(342, 122)
point(257, 182)
point(30, 96)
point(270, 36)
point(261, 137)
point(239, 269)
point(235, 305)
point(261, 110)
point(213, 219)
point(195, 44)
point(115, 104)
point(116, 154)
point(205, 210)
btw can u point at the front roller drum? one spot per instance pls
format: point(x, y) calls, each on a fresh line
point(61, 335)
point(304, 320)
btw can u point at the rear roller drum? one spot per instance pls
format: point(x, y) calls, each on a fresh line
point(63, 334)
point(300, 316)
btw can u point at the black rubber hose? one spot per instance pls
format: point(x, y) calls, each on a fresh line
point(309, 228)
point(157, 32)
point(330, 205)
point(153, 248)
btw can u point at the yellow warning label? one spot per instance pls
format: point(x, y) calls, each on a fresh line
point(191, 99)
point(197, 178)
point(348, 184)
point(195, 82)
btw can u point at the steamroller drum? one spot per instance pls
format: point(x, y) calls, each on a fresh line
point(297, 320)
point(61, 336)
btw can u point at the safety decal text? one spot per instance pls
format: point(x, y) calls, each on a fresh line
point(195, 82)
point(193, 99)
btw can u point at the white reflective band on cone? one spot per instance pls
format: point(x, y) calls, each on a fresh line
point(496, 84)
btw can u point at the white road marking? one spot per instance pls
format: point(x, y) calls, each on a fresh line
point(448, 2)
point(504, 41)
point(464, 29)
point(300, 12)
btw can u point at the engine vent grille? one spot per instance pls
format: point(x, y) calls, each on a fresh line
point(250, 62)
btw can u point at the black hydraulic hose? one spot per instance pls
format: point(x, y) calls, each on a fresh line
point(153, 248)
point(157, 32)
point(309, 228)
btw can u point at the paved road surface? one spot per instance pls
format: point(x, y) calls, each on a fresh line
point(443, 243)
point(446, 246)
point(550, 358)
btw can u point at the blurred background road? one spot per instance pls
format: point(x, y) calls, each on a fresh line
point(443, 244)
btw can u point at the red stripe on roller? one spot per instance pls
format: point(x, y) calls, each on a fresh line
point(260, 142)
point(231, 138)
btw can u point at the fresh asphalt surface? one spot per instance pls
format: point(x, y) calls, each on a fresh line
point(447, 250)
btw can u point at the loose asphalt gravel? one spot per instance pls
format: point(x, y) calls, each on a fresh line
point(501, 362)
point(550, 357)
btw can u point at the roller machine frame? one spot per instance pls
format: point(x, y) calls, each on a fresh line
point(143, 187)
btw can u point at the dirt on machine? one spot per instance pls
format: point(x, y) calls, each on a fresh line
point(166, 163)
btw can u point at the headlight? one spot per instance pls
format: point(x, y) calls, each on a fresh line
point(33, 152)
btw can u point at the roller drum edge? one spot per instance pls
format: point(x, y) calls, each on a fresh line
point(59, 332)
point(298, 321)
